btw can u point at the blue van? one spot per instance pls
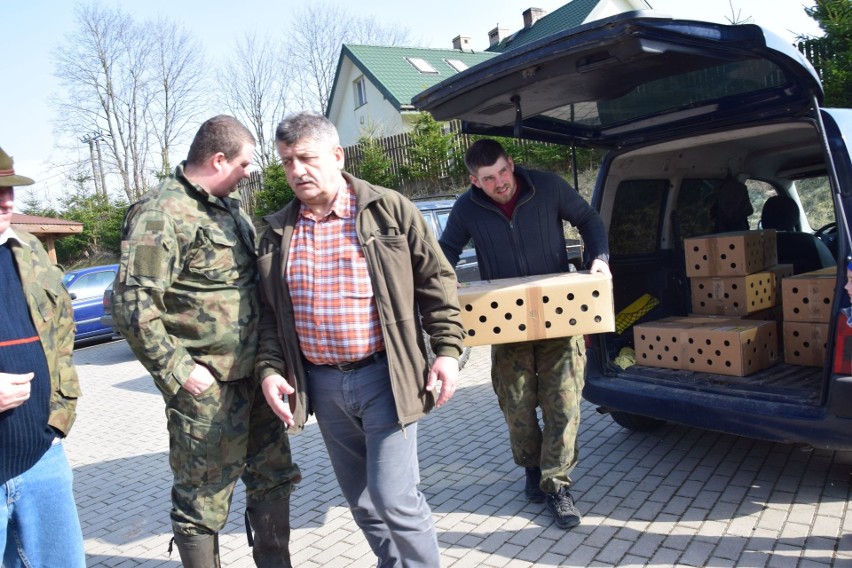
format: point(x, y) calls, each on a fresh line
point(685, 110)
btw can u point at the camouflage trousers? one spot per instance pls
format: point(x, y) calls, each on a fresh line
point(227, 433)
point(548, 374)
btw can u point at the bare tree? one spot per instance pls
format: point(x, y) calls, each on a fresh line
point(253, 87)
point(128, 82)
point(176, 86)
point(315, 38)
point(737, 15)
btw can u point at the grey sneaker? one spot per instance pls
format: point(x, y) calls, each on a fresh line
point(532, 490)
point(561, 504)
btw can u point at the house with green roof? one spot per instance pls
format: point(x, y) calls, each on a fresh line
point(373, 85)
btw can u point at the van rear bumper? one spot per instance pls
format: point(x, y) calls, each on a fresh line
point(737, 415)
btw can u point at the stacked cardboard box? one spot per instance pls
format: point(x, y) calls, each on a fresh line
point(807, 302)
point(536, 307)
point(723, 346)
point(734, 273)
point(731, 274)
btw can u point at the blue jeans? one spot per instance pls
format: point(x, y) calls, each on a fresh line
point(375, 462)
point(39, 525)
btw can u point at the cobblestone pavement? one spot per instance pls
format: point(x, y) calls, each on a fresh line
point(675, 497)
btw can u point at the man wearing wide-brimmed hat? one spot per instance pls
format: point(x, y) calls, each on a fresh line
point(39, 525)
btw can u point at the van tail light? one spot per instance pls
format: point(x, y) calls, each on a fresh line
point(842, 347)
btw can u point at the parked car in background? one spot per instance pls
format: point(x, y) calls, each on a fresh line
point(688, 111)
point(436, 209)
point(86, 287)
point(107, 319)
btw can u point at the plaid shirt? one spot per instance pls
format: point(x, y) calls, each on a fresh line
point(336, 316)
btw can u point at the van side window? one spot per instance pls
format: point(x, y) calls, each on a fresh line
point(636, 216)
point(696, 206)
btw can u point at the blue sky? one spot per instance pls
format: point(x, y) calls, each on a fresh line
point(34, 28)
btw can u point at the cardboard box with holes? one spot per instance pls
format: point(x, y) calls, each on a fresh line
point(536, 307)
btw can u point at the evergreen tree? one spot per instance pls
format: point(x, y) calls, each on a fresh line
point(835, 48)
point(276, 192)
point(375, 166)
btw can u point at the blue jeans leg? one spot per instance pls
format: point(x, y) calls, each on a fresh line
point(39, 525)
point(375, 462)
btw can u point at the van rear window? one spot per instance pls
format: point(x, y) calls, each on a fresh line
point(636, 216)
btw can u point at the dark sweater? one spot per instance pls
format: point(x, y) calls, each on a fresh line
point(24, 433)
point(532, 242)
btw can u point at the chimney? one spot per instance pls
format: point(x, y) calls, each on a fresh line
point(532, 15)
point(497, 35)
point(461, 43)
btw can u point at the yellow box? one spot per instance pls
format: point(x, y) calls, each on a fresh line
point(724, 346)
point(808, 297)
point(739, 295)
point(536, 307)
point(737, 253)
point(805, 343)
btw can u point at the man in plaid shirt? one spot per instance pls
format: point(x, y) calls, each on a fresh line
point(346, 268)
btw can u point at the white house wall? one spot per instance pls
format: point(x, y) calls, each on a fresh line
point(378, 117)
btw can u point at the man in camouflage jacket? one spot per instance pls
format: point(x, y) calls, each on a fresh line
point(39, 525)
point(186, 300)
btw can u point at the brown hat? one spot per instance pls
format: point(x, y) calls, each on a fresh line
point(7, 173)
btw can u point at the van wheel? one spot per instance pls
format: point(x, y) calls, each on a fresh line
point(636, 422)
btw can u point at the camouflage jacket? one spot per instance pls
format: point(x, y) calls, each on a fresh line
point(409, 274)
point(53, 317)
point(186, 291)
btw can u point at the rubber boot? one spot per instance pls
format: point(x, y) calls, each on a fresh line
point(270, 521)
point(198, 551)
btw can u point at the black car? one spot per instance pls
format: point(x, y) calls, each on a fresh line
point(685, 110)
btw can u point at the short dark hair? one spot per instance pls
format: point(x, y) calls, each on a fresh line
point(221, 133)
point(306, 125)
point(483, 153)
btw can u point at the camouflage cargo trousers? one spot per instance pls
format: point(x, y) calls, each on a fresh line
point(227, 433)
point(548, 374)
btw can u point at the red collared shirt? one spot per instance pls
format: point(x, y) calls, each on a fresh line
point(336, 316)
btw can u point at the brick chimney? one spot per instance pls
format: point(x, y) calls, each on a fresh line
point(461, 43)
point(497, 35)
point(532, 15)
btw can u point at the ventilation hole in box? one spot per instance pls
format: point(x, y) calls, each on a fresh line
point(598, 319)
point(729, 364)
point(483, 319)
point(651, 347)
point(806, 344)
point(700, 351)
point(727, 343)
point(691, 341)
point(724, 256)
point(733, 266)
point(496, 330)
point(734, 286)
point(692, 360)
point(696, 267)
point(572, 321)
point(805, 300)
point(547, 325)
point(468, 308)
point(701, 286)
point(519, 301)
point(659, 357)
point(570, 296)
point(508, 315)
point(584, 308)
point(795, 290)
point(707, 342)
point(522, 327)
point(826, 301)
point(471, 332)
point(643, 337)
point(559, 311)
point(494, 305)
point(545, 299)
point(675, 358)
point(666, 348)
point(718, 353)
point(795, 333)
point(596, 294)
point(709, 362)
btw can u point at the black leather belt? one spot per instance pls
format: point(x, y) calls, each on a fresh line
point(353, 365)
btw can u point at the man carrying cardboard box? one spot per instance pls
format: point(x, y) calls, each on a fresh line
point(514, 217)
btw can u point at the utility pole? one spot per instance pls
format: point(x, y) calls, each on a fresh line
point(98, 177)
